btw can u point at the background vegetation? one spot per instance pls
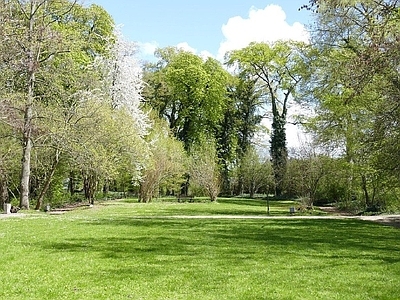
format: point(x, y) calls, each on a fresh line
point(82, 119)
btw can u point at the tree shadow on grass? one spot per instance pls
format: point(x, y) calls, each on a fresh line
point(191, 209)
point(350, 238)
point(245, 202)
point(256, 202)
point(190, 256)
point(190, 237)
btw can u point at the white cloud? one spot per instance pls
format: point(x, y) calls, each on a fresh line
point(147, 49)
point(185, 46)
point(262, 25)
point(205, 54)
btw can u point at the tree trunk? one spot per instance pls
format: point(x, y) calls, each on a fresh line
point(26, 156)
point(239, 189)
point(3, 190)
point(48, 181)
point(32, 65)
point(71, 183)
point(251, 190)
point(90, 186)
point(106, 186)
point(364, 187)
point(279, 152)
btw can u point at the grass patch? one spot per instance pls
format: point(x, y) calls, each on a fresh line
point(203, 207)
point(115, 251)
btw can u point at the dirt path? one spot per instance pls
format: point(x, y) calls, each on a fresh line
point(16, 215)
point(390, 220)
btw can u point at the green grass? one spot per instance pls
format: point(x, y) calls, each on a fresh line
point(224, 206)
point(116, 251)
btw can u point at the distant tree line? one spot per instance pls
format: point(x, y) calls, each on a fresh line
point(81, 118)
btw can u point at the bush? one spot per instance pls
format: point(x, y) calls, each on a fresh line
point(305, 203)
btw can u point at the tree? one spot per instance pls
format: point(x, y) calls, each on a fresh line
point(356, 87)
point(36, 33)
point(166, 164)
point(123, 80)
point(188, 92)
point(278, 68)
point(307, 167)
point(122, 85)
point(204, 169)
point(33, 28)
point(236, 131)
point(256, 173)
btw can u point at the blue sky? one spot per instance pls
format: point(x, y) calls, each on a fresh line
point(198, 24)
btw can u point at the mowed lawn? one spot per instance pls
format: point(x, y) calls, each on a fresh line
point(127, 250)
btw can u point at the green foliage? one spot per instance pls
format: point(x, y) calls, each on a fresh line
point(236, 131)
point(356, 88)
point(336, 186)
point(165, 165)
point(55, 95)
point(278, 69)
point(48, 53)
point(256, 173)
point(188, 92)
point(204, 171)
point(88, 29)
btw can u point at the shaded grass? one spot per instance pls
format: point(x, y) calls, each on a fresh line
point(112, 252)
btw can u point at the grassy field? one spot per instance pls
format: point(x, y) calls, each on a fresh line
point(117, 250)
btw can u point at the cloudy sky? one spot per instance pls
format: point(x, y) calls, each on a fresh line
point(208, 27)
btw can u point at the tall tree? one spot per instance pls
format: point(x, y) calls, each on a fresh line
point(30, 23)
point(204, 169)
point(188, 92)
point(166, 164)
point(278, 68)
point(256, 172)
point(103, 125)
point(37, 32)
point(123, 80)
point(241, 120)
point(356, 85)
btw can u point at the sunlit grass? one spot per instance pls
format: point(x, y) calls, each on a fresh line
point(116, 251)
point(202, 206)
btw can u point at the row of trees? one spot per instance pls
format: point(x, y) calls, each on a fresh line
point(355, 88)
point(86, 116)
point(69, 97)
point(348, 75)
